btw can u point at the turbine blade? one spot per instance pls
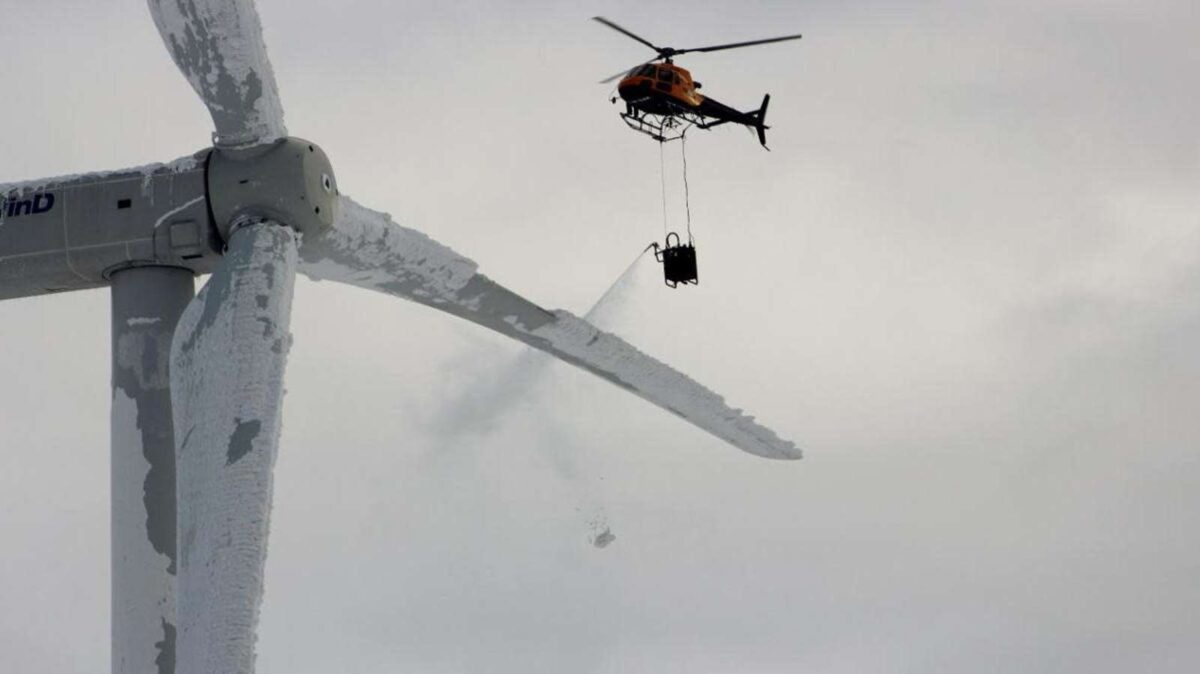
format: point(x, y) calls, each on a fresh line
point(218, 45)
point(366, 249)
point(227, 364)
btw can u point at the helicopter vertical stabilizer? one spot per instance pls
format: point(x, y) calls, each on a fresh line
point(760, 118)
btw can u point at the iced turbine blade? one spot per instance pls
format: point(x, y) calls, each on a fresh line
point(227, 364)
point(366, 249)
point(218, 45)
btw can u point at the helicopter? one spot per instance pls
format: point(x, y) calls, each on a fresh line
point(663, 101)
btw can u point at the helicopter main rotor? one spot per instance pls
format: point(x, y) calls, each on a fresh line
point(667, 53)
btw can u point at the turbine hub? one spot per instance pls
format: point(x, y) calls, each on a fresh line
point(289, 181)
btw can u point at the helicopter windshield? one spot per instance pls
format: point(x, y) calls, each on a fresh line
point(645, 71)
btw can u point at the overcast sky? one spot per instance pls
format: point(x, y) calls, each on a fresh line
point(966, 281)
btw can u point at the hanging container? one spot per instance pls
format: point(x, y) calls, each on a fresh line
point(678, 260)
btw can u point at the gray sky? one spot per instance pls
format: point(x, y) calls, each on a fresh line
point(964, 281)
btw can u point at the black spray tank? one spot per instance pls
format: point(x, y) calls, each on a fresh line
point(678, 261)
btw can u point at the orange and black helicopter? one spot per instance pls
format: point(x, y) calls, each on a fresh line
point(662, 101)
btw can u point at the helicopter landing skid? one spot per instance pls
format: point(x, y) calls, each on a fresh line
point(663, 128)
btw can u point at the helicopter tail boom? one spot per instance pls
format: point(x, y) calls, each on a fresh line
point(723, 114)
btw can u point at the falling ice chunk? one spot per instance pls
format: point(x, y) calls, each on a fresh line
point(603, 539)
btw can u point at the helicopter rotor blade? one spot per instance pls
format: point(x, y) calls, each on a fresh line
point(735, 45)
point(629, 70)
point(619, 29)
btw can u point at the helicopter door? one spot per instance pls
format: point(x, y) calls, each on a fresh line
point(665, 77)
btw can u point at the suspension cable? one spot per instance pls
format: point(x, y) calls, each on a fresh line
point(662, 174)
point(687, 199)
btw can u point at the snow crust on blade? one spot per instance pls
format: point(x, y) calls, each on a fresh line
point(219, 47)
point(367, 249)
point(607, 356)
point(228, 360)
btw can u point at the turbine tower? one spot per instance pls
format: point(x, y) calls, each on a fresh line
point(197, 378)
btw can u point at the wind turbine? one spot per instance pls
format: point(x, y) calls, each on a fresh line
point(197, 378)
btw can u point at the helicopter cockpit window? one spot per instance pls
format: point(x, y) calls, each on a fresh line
point(646, 71)
point(664, 74)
